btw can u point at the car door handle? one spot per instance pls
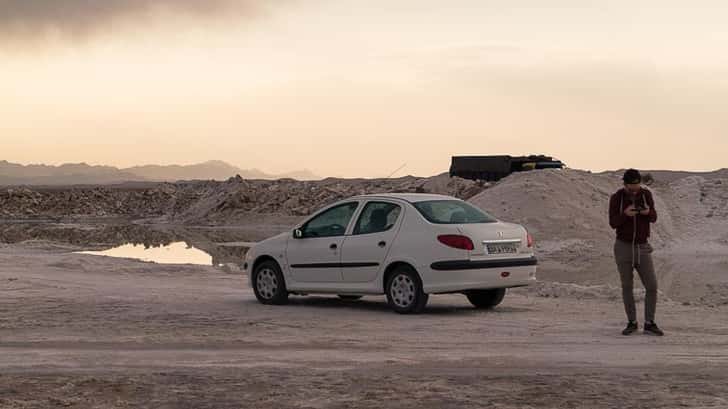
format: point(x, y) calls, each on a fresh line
point(382, 243)
point(333, 246)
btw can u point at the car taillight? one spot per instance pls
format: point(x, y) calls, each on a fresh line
point(457, 241)
point(530, 239)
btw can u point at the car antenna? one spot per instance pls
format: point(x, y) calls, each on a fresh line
point(396, 170)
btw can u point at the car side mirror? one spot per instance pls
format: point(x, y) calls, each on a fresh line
point(297, 234)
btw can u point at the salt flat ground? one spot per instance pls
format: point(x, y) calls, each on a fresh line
point(95, 332)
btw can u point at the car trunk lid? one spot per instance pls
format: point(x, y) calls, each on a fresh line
point(495, 240)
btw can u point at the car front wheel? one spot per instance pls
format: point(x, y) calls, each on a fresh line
point(268, 284)
point(486, 298)
point(404, 291)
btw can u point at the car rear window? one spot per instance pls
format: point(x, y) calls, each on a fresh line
point(452, 212)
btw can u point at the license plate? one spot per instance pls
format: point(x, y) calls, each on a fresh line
point(501, 248)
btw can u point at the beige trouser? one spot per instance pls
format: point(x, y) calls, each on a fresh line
point(641, 254)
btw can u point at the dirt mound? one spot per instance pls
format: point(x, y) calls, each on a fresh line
point(236, 200)
point(698, 205)
point(553, 204)
point(93, 201)
point(239, 198)
point(571, 204)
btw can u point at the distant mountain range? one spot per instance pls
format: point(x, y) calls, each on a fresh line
point(84, 174)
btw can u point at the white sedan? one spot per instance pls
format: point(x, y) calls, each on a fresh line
point(406, 246)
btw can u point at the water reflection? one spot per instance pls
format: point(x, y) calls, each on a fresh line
point(173, 253)
point(217, 246)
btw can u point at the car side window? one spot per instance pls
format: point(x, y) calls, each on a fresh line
point(377, 217)
point(331, 222)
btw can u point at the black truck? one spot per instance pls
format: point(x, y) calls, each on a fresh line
point(494, 168)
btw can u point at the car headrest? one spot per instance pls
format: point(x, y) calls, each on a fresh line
point(378, 219)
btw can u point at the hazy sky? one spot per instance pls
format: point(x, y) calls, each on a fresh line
point(358, 88)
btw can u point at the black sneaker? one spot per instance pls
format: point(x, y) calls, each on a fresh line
point(652, 329)
point(631, 328)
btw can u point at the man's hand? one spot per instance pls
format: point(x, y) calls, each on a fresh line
point(645, 211)
point(630, 211)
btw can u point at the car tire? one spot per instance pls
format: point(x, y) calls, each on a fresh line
point(268, 284)
point(484, 299)
point(404, 291)
point(350, 297)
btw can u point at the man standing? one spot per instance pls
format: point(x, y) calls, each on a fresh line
point(631, 211)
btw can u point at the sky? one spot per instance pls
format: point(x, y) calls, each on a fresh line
point(357, 88)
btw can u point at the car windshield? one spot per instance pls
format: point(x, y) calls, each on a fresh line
point(452, 212)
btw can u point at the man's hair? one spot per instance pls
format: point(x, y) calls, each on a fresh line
point(632, 176)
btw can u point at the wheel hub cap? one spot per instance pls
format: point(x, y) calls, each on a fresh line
point(267, 283)
point(402, 291)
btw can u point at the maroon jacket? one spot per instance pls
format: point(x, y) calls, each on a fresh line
point(624, 224)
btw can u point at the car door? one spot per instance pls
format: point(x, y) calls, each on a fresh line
point(315, 256)
point(364, 251)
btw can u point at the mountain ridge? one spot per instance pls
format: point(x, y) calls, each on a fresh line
point(83, 173)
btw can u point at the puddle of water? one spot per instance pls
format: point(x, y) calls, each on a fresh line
point(219, 247)
point(173, 253)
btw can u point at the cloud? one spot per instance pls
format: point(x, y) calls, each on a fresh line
point(32, 19)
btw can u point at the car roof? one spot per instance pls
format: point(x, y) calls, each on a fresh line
point(408, 197)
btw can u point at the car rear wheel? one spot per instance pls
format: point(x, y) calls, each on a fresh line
point(486, 298)
point(350, 297)
point(404, 291)
point(268, 284)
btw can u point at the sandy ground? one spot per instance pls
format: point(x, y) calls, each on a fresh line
point(94, 332)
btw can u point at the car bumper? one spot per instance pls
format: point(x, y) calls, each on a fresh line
point(462, 275)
